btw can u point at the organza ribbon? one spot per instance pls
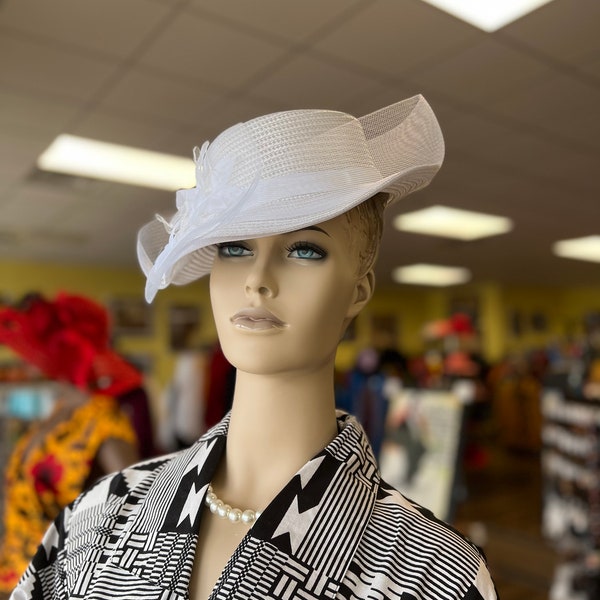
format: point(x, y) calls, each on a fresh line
point(213, 200)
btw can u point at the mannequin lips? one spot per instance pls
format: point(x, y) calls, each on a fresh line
point(256, 319)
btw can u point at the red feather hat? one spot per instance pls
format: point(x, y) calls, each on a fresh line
point(68, 339)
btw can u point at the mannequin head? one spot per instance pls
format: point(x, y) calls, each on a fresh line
point(282, 303)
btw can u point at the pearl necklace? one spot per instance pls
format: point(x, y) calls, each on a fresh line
point(235, 515)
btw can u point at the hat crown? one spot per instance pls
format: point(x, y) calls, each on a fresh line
point(286, 143)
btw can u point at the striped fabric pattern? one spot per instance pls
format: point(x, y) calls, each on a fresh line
point(336, 530)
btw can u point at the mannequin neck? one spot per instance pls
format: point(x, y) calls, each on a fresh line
point(278, 423)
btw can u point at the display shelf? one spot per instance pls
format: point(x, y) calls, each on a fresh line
point(571, 471)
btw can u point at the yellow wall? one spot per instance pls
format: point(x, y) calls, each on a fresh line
point(411, 308)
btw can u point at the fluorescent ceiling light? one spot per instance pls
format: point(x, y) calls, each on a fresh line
point(584, 248)
point(100, 160)
point(423, 274)
point(488, 15)
point(452, 222)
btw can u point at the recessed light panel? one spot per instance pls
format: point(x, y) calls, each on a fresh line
point(488, 15)
point(100, 160)
point(584, 248)
point(452, 222)
point(435, 275)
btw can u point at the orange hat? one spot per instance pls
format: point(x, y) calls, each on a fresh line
point(67, 339)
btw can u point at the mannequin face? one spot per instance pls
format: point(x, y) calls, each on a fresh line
point(281, 303)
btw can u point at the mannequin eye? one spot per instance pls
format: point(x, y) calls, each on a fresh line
point(233, 250)
point(306, 251)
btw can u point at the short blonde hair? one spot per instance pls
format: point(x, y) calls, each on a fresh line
point(365, 223)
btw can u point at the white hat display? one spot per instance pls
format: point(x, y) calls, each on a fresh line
point(286, 171)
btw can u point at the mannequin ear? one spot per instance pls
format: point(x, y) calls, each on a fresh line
point(363, 291)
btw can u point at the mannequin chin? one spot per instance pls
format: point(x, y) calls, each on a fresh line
point(282, 303)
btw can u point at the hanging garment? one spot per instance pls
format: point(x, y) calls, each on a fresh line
point(334, 531)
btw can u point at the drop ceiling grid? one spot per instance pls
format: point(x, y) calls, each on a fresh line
point(503, 154)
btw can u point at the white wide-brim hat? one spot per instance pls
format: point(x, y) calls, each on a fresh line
point(286, 171)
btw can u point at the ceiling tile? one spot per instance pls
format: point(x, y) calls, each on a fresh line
point(566, 30)
point(33, 207)
point(559, 104)
point(17, 156)
point(110, 27)
point(591, 66)
point(150, 94)
point(286, 20)
point(125, 128)
point(229, 112)
point(209, 52)
point(129, 206)
point(28, 116)
point(36, 67)
point(329, 85)
point(483, 72)
point(523, 152)
point(393, 36)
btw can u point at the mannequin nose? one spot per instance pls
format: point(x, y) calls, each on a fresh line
point(261, 281)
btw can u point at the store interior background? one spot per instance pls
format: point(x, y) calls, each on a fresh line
point(519, 108)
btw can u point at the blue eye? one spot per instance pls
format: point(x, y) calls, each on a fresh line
point(233, 250)
point(306, 251)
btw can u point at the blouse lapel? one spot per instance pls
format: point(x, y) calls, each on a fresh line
point(317, 521)
point(159, 532)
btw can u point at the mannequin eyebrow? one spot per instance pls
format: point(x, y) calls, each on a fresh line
point(314, 228)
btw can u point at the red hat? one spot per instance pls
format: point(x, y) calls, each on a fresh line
point(67, 339)
point(459, 324)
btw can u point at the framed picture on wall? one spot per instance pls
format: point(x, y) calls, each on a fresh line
point(184, 324)
point(131, 316)
point(143, 362)
point(384, 331)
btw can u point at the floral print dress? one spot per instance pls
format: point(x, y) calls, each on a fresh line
point(46, 475)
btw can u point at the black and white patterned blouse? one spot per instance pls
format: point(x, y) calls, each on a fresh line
point(335, 531)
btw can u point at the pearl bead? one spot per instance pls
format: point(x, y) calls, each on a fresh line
point(248, 516)
point(235, 514)
point(223, 510)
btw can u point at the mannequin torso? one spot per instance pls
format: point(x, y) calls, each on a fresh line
point(285, 371)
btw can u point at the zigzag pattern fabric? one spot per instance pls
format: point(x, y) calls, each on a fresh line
point(336, 530)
